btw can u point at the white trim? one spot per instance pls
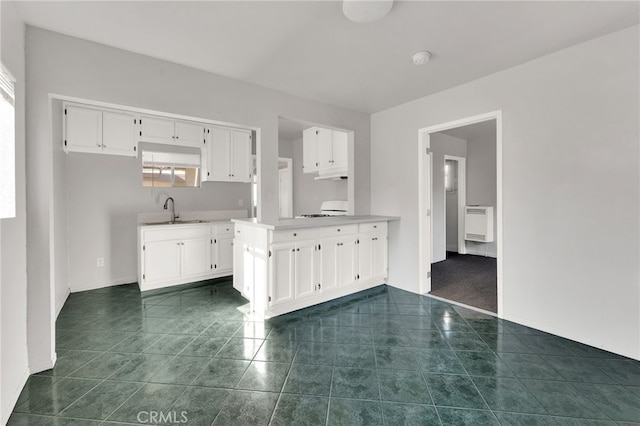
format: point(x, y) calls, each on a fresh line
point(11, 403)
point(424, 223)
point(424, 240)
point(44, 366)
point(462, 201)
point(474, 252)
point(119, 281)
point(62, 302)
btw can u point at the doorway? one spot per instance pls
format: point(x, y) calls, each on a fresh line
point(456, 178)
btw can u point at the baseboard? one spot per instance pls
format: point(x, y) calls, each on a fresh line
point(481, 253)
point(60, 304)
point(11, 404)
point(120, 281)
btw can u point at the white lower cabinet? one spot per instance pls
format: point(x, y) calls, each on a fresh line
point(338, 262)
point(179, 254)
point(372, 262)
point(304, 269)
point(196, 257)
point(223, 260)
point(161, 261)
point(306, 266)
point(281, 273)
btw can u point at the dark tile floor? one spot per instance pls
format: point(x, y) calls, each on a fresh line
point(383, 356)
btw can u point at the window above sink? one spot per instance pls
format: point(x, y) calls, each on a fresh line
point(170, 169)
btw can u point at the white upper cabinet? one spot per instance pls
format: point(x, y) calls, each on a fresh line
point(103, 130)
point(156, 129)
point(118, 133)
point(325, 151)
point(228, 155)
point(324, 148)
point(168, 131)
point(309, 151)
point(83, 129)
point(99, 131)
point(189, 133)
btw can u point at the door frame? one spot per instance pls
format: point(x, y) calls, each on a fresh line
point(425, 196)
point(462, 200)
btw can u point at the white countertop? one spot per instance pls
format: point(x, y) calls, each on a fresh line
point(313, 222)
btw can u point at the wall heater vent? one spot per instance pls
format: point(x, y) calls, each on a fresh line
point(478, 223)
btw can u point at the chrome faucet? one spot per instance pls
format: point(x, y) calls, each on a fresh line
point(173, 208)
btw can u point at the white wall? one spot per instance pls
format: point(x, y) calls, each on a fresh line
point(308, 193)
point(72, 67)
point(13, 232)
point(570, 187)
point(481, 182)
point(441, 145)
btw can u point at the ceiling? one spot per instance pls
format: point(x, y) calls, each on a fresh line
point(309, 49)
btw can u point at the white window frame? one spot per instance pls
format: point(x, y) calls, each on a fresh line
point(7, 145)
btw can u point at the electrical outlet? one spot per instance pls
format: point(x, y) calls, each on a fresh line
point(241, 202)
point(100, 262)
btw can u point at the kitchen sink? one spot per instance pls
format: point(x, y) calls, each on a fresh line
point(176, 222)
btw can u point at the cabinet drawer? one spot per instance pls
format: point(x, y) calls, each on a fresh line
point(294, 235)
point(176, 233)
point(373, 227)
point(337, 231)
point(222, 229)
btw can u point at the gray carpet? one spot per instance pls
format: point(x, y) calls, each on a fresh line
point(466, 279)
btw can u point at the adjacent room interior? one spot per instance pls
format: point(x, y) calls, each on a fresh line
point(463, 215)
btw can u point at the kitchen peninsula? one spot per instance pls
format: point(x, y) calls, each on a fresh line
point(284, 265)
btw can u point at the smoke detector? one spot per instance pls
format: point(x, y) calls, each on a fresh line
point(421, 58)
point(363, 11)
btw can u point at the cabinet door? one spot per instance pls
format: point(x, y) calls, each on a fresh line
point(324, 148)
point(240, 156)
point(248, 273)
point(223, 259)
point(118, 137)
point(189, 133)
point(159, 130)
point(328, 263)
point(196, 257)
point(340, 151)
point(282, 275)
point(309, 154)
point(365, 257)
point(83, 129)
point(161, 261)
point(238, 265)
point(346, 262)
point(218, 154)
point(305, 279)
point(379, 255)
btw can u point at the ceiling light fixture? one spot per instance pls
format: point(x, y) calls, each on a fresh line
point(363, 11)
point(421, 58)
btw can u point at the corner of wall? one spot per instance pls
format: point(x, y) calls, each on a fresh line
point(60, 303)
